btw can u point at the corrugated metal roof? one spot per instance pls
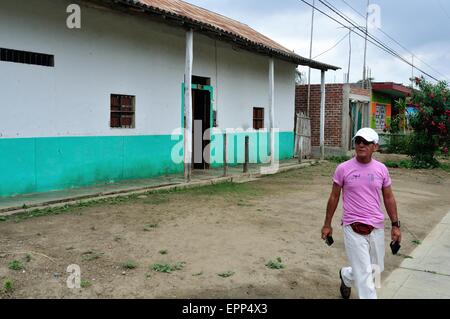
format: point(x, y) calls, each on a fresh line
point(222, 27)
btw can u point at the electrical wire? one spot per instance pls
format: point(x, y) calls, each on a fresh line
point(398, 43)
point(377, 43)
point(335, 45)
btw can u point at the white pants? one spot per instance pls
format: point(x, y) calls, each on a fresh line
point(366, 256)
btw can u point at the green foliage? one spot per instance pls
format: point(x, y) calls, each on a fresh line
point(130, 264)
point(150, 227)
point(398, 144)
point(167, 268)
point(8, 285)
point(226, 274)
point(422, 150)
point(401, 164)
point(15, 265)
point(90, 255)
point(85, 284)
point(198, 274)
point(338, 159)
point(275, 264)
point(431, 123)
point(163, 252)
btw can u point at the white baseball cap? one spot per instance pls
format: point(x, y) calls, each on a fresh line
point(368, 134)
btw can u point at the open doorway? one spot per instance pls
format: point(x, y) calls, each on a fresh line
point(201, 116)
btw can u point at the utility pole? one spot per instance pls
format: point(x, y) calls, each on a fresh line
point(365, 45)
point(310, 57)
point(349, 53)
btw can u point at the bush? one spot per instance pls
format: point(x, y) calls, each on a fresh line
point(431, 123)
point(338, 159)
point(398, 144)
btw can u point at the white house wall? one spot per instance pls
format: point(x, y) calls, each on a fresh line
point(113, 53)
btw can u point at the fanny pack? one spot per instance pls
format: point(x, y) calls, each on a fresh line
point(361, 228)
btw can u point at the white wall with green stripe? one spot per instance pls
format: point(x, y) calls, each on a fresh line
point(55, 121)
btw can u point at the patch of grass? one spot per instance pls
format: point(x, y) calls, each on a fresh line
point(15, 265)
point(416, 242)
point(167, 268)
point(85, 284)
point(445, 167)
point(130, 264)
point(220, 189)
point(150, 227)
point(90, 255)
point(8, 285)
point(338, 159)
point(275, 264)
point(242, 203)
point(225, 189)
point(163, 252)
point(156, 199)
point(226, 274)
point(399, 164)
point(198, 274)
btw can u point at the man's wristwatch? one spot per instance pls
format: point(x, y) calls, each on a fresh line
point(396, 224)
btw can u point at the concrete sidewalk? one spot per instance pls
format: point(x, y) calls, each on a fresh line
point(427, 274)
point(17, 204)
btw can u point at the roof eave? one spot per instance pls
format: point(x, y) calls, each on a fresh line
point(222, 35)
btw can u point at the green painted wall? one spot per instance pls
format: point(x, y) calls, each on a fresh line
point(258, 147)
point(45, 164)
point(381, 98)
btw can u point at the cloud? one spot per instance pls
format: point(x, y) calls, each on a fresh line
point(421, 26)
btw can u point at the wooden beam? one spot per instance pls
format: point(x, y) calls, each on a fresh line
point(188, 105)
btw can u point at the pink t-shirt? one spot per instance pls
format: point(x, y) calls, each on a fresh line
point(362, 185)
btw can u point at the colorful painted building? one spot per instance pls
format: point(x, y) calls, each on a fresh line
point(383, 105)
point(101, 103)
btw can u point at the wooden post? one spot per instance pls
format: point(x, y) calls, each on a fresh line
point(225, 163)
point(246, 155)
point(272, 110)
point(188, 106)
point(322, 115)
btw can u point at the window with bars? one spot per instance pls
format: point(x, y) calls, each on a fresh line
point(26, 57)
point(258, 118)
point(122, 111)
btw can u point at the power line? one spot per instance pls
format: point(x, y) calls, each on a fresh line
point(377, 42)
point(398, 43)
point(335, 45)
point(443, 9)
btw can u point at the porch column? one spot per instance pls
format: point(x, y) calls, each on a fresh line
point(322, 114)
point(272, 109)
point(188, 105)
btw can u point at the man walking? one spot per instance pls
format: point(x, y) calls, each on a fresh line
point(362, 179)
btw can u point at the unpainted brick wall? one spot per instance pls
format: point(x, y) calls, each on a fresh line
point(333, 112)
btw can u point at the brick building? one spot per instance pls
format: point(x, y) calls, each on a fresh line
point(346, 111)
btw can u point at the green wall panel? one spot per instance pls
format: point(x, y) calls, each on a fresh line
point(17, 166)
point(45, 164)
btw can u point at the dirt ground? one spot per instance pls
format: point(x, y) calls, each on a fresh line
point(234, 228)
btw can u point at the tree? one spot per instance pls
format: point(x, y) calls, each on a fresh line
point(431, 122)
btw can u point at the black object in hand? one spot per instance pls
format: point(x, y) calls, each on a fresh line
point(395, 247)
point(329, 240)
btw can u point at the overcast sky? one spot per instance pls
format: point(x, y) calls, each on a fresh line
point(421, 26)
